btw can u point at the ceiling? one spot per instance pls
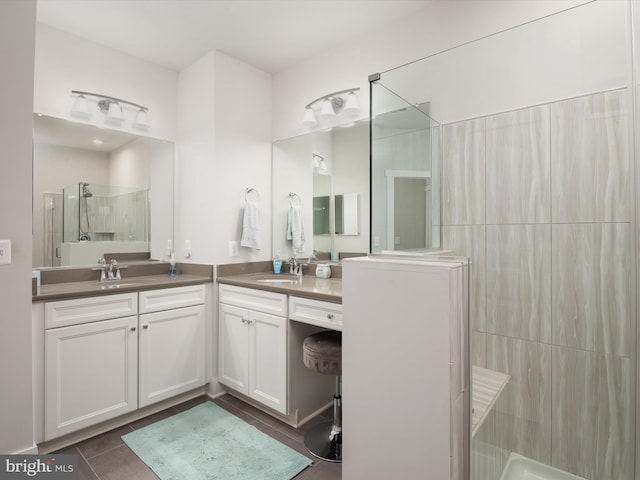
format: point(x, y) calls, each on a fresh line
point(56, 131)
point(271, 35)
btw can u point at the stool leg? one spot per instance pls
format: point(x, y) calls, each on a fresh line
point(325, 439)
point(337, 410)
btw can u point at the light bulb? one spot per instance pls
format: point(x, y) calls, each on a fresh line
point(309, 119)
point(114, 115)
point(142, 120)
point(327, 110)
point(352, 106)
point(80, 108)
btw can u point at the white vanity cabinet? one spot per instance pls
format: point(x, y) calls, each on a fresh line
point(171, 342)
point(252, 347)
point(316, 312)
point(109, 355)
point(91, 361)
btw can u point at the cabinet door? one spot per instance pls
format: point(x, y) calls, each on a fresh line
point(268, 360)
point(90, 374)
point(171, 353)
point(233, 348)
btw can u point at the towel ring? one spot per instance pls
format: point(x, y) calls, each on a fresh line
point(248, 191)
point(293, 196)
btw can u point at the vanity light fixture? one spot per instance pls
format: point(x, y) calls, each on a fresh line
point(332, 105)
point(319, 164)
point(111, 107)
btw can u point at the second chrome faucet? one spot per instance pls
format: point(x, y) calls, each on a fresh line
point(110, 271)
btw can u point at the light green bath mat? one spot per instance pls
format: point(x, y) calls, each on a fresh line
point(208, 443)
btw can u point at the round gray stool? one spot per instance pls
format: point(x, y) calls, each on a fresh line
point(322, 353)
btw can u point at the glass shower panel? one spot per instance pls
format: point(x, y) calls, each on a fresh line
point(105, 213)
point(405, 177)
point(537, 190)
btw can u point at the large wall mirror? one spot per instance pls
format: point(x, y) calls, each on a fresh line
point(324, 176)
point(98, 192)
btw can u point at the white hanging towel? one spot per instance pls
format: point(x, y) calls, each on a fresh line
point(295, 228)
point(251, 233)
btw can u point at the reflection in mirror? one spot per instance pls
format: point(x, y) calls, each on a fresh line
point(405, 167)
point(92, 194)
point(321, 209)
point(328, 170)
point(346, 214)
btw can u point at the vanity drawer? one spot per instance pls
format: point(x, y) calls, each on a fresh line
point(316, 312)
point(63, 313)
point(253, 299)
point(170, 298)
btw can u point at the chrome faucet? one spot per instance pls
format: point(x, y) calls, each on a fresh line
point(102, 268)
point(107, 270)
point(294, 267)
point(313, 257)
point(113, 263)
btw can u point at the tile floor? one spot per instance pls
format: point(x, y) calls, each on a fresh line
point(106, 457)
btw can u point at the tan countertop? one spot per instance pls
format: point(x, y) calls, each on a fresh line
point(308, 286)
point(58, 291)
point(66, 283)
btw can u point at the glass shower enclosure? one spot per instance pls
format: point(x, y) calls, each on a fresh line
point(84, 212)
point(104, 213)
point(527, 141)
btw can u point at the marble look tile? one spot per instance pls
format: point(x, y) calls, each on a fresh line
point(518, 167)
point(459, 335)
point(478, 349)
point(518, 281)
point(459, 446)
point(463, 173)
point(487, 458)
point(470, 241)
point(523, 411)
point(591, 277)
point(592, 414)
point(590, 159)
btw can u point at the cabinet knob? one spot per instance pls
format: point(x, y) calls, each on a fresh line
point(145, 326)
point(133, 329)
point(329, 316)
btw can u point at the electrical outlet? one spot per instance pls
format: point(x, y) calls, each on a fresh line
point(5, 252)
point(234, 247)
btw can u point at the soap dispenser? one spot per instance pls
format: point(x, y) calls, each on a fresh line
point(277, 263)
point(173, 271)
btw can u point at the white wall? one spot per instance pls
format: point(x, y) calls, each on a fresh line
point(440, 26)
point(17, 27)
point(224, 146)
point(559, 57)
point(130, 165)
point(65, 62)
point(350, 175)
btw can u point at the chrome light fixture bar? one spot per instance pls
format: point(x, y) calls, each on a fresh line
point(111, 107)
point(332, 104)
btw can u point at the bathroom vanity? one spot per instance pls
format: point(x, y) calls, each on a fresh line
point(106, 352)
point(263, 320)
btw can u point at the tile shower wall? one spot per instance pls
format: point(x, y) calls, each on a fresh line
point(539, 198)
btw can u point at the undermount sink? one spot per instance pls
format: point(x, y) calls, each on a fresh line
point(126, 282)
point(277, 278)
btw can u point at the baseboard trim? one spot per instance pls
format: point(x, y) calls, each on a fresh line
point(32, 450)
